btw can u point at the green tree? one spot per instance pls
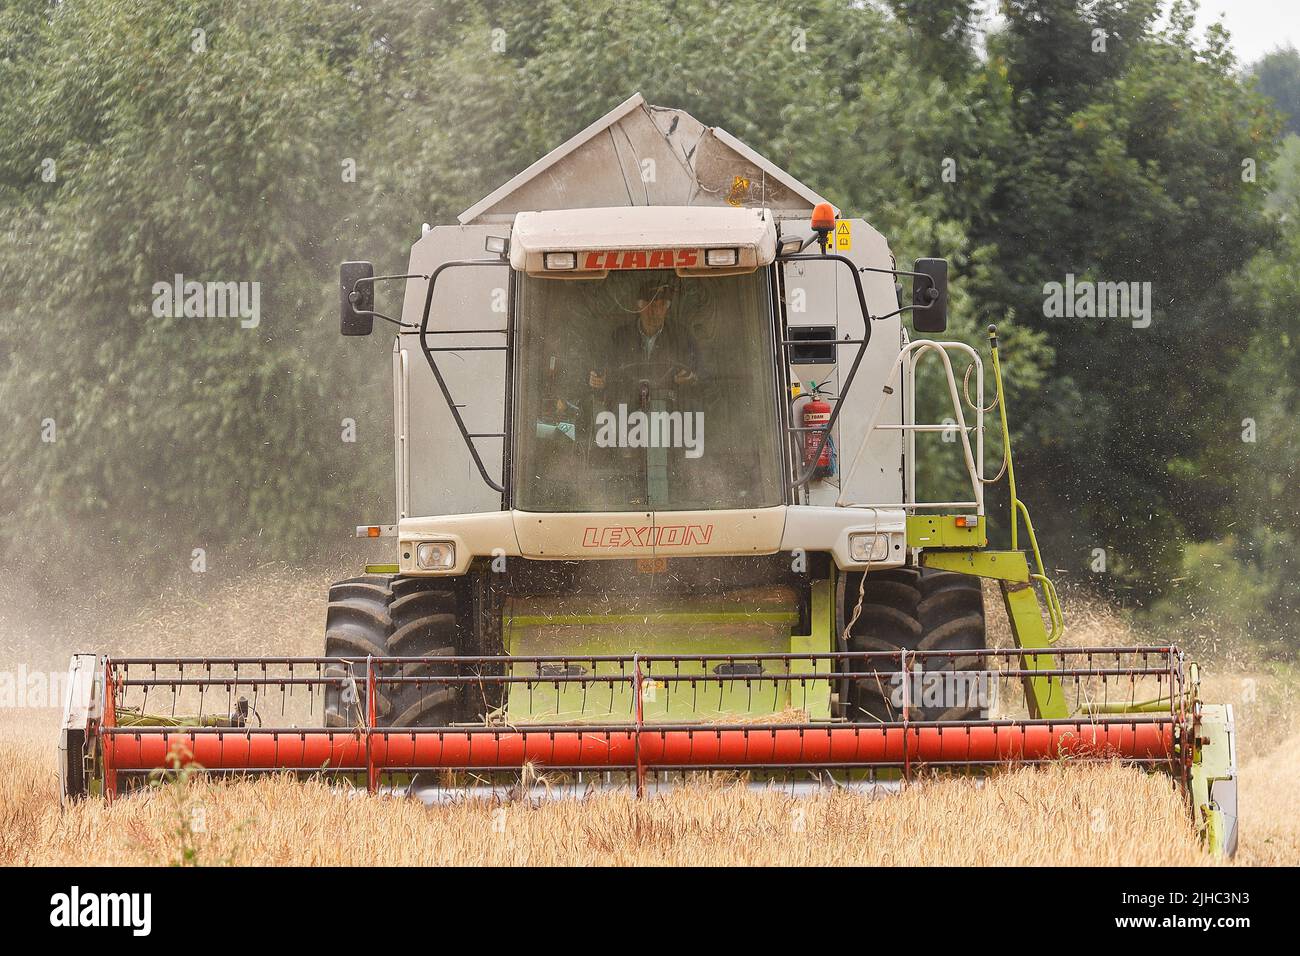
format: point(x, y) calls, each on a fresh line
point(1126, 167)
point(1084, 142)
point(1282, 178)
point(940, 35)
point(184, 140)
point(1278, 77)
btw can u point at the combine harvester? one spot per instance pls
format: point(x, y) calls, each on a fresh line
point(657, 513)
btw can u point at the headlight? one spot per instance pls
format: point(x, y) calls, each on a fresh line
point(560, 261)
point(868, 547)
point(436, 555)
point(722, 257)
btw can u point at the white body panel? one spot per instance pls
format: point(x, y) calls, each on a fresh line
point(822, 294)
point(440, 477)
point(646, 534)
point(594, 234)
point(434, 472)
point(649, 534)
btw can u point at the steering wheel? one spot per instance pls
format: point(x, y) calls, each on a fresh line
point(658, 365)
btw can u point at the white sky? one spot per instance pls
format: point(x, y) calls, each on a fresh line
point(1256, 26)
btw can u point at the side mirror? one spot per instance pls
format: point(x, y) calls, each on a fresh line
point(355, 302)
point(930, 295)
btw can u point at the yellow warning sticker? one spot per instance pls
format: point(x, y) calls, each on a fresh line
point(843, 236)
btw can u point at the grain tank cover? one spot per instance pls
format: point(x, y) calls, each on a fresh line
point(693, 240)
point(639, 154)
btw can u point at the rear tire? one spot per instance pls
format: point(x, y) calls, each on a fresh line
point(388, 616)
point(913, 609)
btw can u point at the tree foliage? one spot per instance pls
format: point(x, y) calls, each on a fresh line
point(1082, 139)
point(1278, 77)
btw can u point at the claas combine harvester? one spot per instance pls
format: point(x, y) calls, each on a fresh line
point(656, 447)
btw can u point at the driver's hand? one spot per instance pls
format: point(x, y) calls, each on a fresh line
point(596, 380)
point(684, 376)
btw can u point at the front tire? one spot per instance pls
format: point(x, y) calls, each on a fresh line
point(383, 616)
point(917, 610)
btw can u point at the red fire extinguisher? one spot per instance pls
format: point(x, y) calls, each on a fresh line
point(816, 413)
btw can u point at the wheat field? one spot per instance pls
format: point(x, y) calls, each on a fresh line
point(1062, 814)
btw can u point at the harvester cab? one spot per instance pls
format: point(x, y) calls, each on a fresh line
point(657, 512)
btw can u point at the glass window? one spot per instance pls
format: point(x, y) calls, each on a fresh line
point(645, 391)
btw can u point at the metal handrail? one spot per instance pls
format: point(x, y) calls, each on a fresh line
point(974, 458)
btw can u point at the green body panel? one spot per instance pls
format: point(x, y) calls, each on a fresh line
point(942, 531)
point(999, 565)
point(1044, 695)
point(758, 621)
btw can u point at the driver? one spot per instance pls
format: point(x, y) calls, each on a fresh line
point(652, 340)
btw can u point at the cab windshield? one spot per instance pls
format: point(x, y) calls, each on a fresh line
point(645, 391)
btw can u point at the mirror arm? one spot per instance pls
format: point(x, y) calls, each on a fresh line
point(379, 315)
point(906, 308)
point(894, 272)
point(903, 272)
point(405, 275)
